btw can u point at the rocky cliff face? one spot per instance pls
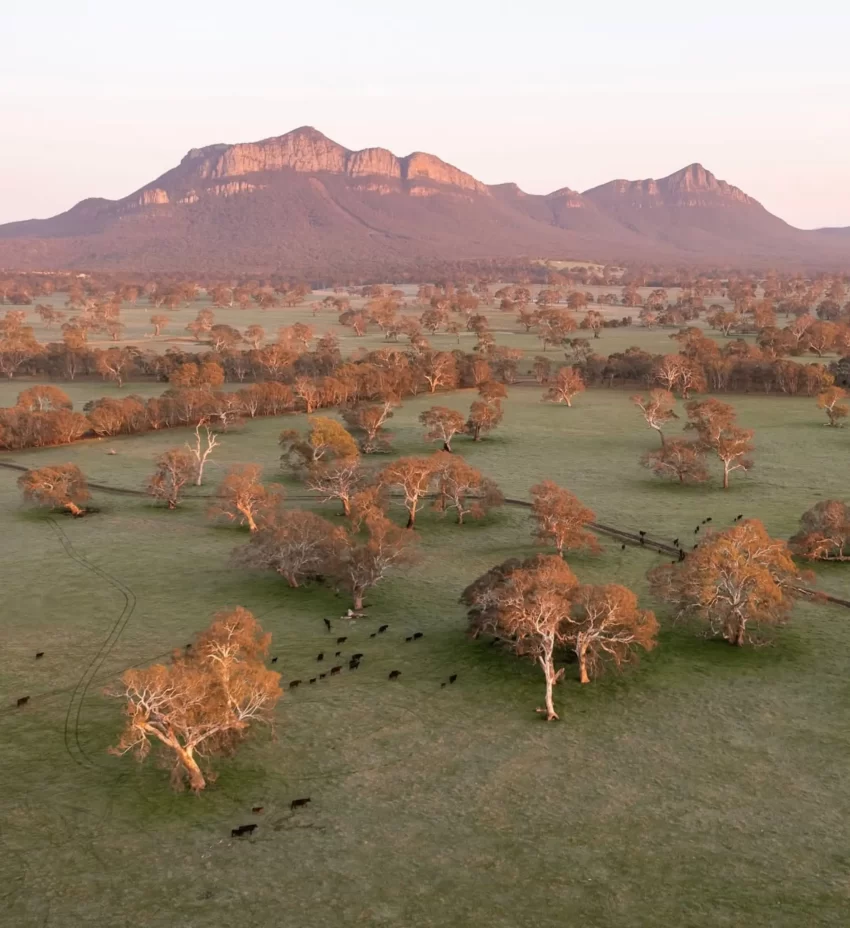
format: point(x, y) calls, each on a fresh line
point(307, 151)
point(302, 202)
point(693, 186)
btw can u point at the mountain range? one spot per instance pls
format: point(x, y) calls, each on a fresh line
point(300, 203)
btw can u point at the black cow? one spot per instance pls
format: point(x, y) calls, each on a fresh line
point(335, 670)
point(242, 830)
point(452, 678)
point(320, 656)
point(322, 676)
point(417, 635)
point(313, 679)
point(294, 684)
point(409, 638)
point(342, 640)
point(274, 660)
point(327, 623)
point(394, 674)
point(257, 810)
point(23, 701)
point(39, 654)
point(299, 803)
point(382, 629)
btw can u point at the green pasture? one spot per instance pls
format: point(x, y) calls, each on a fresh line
point(706, 786)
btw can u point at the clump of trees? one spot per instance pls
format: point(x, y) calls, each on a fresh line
point(679, 460)
point(174, 469)
point(736, 581)
point(538, 608)
point(302, 546)
point(561, 519)
point(830, 402)
point(203, 704)
point(242, 498)
point(61, 486)
point(718, 432)
point(824, 533)
point(566, 384)
point(657, 409)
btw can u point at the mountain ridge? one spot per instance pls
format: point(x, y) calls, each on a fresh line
point(303, 202)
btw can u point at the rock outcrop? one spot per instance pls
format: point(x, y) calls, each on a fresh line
point(302, 203)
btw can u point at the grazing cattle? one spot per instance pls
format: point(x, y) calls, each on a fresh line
point(373, 634)
point(695, 547)
point(382, 629)
point(23, 701)
point(294, 684)
point(337, 653)
point(676, 542)
point(409, 638)
point(335, 670)
point(353, 665)
point(452, 678)
point(739, 516)
point(623, 547)
point(257, 810)
point(298, 803)
point(696, 530)
point(417, 635)
point(357, 656)
point(641, 534)
point(322, 676)
point(394, 675)
point(320, 656)
point(708, 519)
point(274, 660)
point(242, 830)
point(327, 623)
point(682, 555)
point(442, 686)
point(342, 640)
point(39, 654)
point(313, 679)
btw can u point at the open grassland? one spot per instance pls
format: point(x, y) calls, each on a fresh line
point(704, 787)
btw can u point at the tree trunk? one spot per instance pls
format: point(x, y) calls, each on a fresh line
point(661, 436)
point(252, 525)
point(569, 402)
point(739, 636)
point(725, 477)
point(447, 446)
point(549, 672)
point(582, 666)
point(346, 505)
point(193, 771)
point(358, 599)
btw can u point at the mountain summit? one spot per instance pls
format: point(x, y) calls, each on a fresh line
point(302, 203)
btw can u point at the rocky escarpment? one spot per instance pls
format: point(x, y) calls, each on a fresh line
point(693, 186)
point(307, 151)
point(303, 203)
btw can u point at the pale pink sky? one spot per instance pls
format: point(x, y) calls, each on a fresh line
point(98, 98)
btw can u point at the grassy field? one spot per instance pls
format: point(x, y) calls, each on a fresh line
point(704, 787)
point(138, 330)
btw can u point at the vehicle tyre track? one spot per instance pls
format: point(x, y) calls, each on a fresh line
point(78, 695)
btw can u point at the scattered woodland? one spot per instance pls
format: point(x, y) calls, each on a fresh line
point(336, 545)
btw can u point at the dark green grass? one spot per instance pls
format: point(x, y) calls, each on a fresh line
point(704, 787)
